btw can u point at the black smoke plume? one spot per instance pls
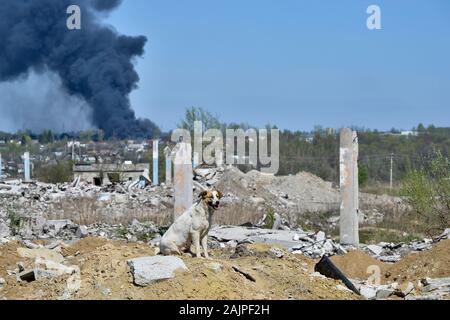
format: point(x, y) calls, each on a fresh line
point(95, 64)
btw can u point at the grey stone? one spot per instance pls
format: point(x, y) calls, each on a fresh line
point(215, 267)
point(4, 230)
point(408, 289)
point(368, 292)
point(384, 293)
point(2, 282)
point(320, 236)
point(445, 234)
point(421, 246)
point(40, 253)
point(82, 232)
point(376, 250)
point(147, 270)
point(393, 258)
point(57, 225)
point(277, 252)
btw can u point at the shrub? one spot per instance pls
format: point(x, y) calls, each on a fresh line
point(428, 192)
point(56, 173)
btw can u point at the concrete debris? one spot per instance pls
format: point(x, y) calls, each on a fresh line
point(440, 286)
point(297, 242)
point(82, 232)
point(368, 291)
point(376, 250)
point(50, 255)
point(147, 270)
point(384, 293)
point(215, 267)
point(393, 258)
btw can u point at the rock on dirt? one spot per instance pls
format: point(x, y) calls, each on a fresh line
point(147, 270)
point(47, 254)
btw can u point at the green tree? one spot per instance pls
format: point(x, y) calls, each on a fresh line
point(57, 173)
point(86, 136)
point(428, 192)
point(363, 175)
point(199, 114)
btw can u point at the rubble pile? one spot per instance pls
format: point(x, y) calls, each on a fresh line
point(393, 252)
point(310, 244)
point(82, 202)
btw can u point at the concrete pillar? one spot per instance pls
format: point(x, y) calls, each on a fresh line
point(219, 158)
point(183, 184)
point(348, 166)
point(155, 162)
point(26, 166)
point(196, 160)
point(168, 156)
point(356, 177)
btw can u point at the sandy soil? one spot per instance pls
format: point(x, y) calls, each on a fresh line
point(105, 275)
point(433, 263)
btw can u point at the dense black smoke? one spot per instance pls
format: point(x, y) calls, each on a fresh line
point(95, 64)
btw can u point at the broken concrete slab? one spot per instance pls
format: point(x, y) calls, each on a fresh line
point(392, 259)
point(368, 291)
point(376, 250)
point(82, 232)
point(320, 236)
point(146, 270)
point(40, 253)
point(57, 225)
point(384, 293)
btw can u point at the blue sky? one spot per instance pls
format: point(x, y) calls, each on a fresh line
point(292, 63)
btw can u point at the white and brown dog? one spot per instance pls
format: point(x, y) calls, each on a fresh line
point(190, 230)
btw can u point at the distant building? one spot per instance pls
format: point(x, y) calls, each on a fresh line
point(409, 133)
point(101, 174)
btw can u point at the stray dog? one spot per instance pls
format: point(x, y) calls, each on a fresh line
point(191, 228)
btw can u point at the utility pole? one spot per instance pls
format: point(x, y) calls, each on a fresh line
point(391, 173)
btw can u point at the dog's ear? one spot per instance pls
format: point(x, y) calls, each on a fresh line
point(220, 194)
point(203, 194)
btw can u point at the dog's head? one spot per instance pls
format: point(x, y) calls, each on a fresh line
point(211, 198)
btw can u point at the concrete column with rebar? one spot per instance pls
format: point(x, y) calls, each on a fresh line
point(183, 185)
point(168, 157)
point(155, 162)
point(348, 167)
point(26, 166)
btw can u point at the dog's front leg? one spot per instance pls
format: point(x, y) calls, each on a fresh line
point(196, 242)
point(205, 245)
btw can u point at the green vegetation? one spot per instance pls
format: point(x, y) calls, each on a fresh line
point(59, 172)
point(270, 219)
point(15, 221)
point(428, 192)
point(121, 232)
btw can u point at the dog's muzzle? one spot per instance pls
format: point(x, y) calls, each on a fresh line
point(216, 205)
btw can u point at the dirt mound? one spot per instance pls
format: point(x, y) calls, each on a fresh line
point(105, 275)
point(355, 264)
point(433, 263)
